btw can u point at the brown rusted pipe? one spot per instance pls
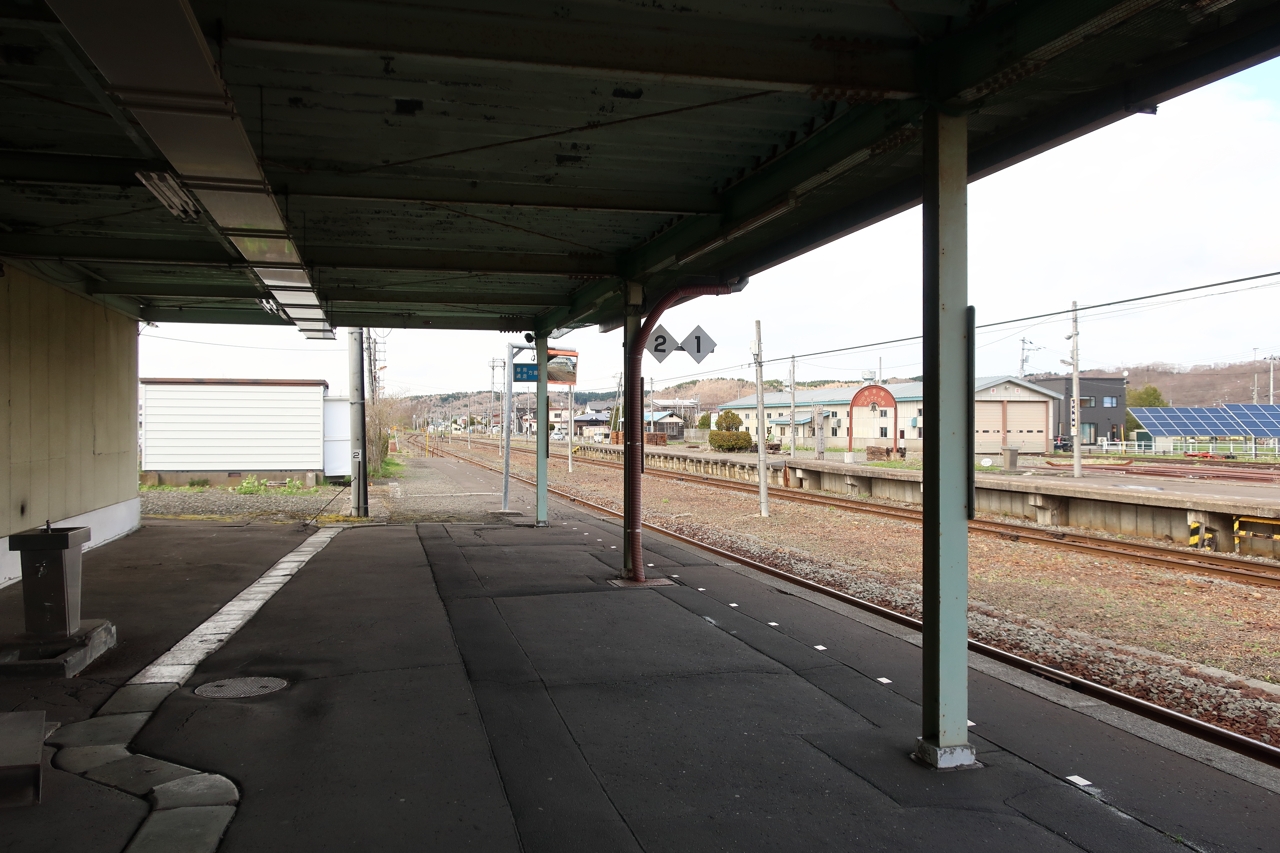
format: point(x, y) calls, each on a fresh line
point(633, 425)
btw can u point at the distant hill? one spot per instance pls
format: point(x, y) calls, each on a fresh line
point(1201, 385)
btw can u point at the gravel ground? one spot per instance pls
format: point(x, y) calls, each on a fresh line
point(222, 503)
point(1185, 642)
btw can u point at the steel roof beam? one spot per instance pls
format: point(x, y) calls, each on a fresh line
point(429, 297)
point(205, 253)
point(701, 52)
point(1246, 43)
point(412, 320)
point(177, 291)
point(1013, 42)
point(234, 316)
point(458, 191)
point(92, 170)
point(452, 261)
point(112, 250)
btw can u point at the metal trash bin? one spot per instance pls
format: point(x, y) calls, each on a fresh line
point(1010, 458)
point(51, 578)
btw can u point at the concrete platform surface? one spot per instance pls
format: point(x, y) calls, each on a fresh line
point(482, 687)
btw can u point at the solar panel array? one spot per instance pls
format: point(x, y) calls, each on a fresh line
point(1235, 420)
point(1261, 420)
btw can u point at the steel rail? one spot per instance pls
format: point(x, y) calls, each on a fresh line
point(1225, 738)
point(1207, 563)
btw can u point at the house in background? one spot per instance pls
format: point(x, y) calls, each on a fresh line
point(1007, 412)
point(1102, 406)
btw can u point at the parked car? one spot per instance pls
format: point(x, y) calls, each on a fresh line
point(598, 438)
point(1061, 443)
point(557, 435)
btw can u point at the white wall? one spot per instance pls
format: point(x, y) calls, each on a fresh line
point(337, 437)
point(206, 427)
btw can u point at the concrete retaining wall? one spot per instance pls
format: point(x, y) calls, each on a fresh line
point(1142, 515)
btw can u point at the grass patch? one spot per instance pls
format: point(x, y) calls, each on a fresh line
point(191, 488)
point(906, 464)
point(251, 485)
point(389, 469)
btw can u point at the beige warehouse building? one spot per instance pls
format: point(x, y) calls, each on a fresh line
point(1008, 412)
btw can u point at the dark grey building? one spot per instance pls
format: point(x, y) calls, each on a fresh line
point(1102, 406)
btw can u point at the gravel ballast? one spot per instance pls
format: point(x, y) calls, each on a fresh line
point(214, 502)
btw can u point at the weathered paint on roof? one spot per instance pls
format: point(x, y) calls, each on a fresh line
point(504, 165)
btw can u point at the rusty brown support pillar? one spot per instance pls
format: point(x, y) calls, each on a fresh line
point(633, 424)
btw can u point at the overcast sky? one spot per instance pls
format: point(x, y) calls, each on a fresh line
point(1153, 203)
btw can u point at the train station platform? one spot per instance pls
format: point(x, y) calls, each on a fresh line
point(483, 686)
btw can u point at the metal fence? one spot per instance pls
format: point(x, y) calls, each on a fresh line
point(1265, 449)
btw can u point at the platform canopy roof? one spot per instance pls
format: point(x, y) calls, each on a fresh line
point(508, 165)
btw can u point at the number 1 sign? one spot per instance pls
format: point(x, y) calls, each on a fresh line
point(699, 344)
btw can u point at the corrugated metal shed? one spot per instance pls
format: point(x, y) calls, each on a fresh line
point(224, 426)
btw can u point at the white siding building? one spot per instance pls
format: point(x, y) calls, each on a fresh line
point(225, 429)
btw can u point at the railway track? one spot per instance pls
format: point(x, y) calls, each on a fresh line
point(1203, 563)
point(1182, 471)
point(1190, 725)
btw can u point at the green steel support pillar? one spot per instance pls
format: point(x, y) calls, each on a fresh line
point(544, 430)
point(944, 741)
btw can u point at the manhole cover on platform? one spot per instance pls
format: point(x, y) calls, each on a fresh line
point(240, 688)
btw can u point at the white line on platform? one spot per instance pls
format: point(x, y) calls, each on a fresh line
point(884, 681)
point(176, 665)
point(773, 624)
point(821, 648)
point(1079, 780)
point(457, 495)
point(733, 605)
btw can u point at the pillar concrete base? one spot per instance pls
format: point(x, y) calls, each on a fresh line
point(930, 754)
point(25, 656)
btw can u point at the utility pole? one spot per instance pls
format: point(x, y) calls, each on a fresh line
point(494, 364)
point(571, 429)
point(793, 407)
point(1028, 347)
point(1075, 393)
point(1255, 389)
point(757, 353)
point(651, 425)
point(359, 484)
point(1271, 394)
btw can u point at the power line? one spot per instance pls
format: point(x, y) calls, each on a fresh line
point(240, 346)
point(990, 325)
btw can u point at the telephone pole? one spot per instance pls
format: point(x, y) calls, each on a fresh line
point(757, 353)
point(494, 364)
point(793, 407)
point(1075, 393)
point(1028, 347)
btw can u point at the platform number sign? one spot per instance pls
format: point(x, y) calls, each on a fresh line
point(660, 344)
point(697, 344)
